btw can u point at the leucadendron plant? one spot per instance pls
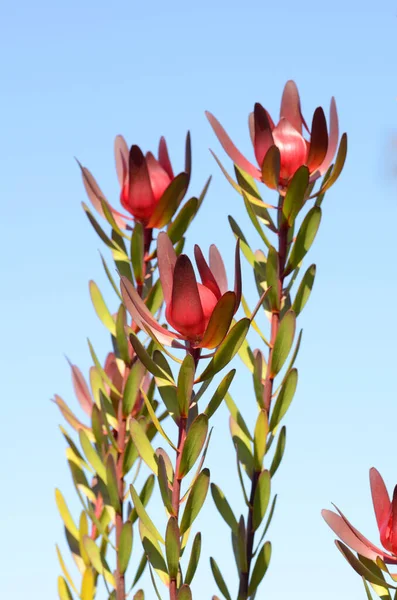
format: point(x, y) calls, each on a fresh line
point(102, 455)
point(291, 159)
point(202, 316)
point(372, 563)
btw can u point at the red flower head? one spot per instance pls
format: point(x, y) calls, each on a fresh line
point(201, 313)
point(386, 517)
point(286, 140)
point(150, 191)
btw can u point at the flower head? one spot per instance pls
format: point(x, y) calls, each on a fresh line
point(201, 313)
point(149, 190)
point(284, 142)
point(386, 518)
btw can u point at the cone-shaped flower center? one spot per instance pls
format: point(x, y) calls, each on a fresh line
point(293, 149)
point(188, 321)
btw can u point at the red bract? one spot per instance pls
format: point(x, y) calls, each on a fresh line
point(149, 190)
point(386, 517)
point(282, 148)
point(201, 313)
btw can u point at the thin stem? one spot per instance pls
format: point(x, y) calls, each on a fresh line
point(267, 397)
point(176, 488)
point(121, 443)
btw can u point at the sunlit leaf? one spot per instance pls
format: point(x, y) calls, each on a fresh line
point(195, 500)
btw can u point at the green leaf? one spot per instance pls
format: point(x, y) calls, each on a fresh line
point(109, 276)
point(279, 452)
point(155, 420)
point(125, 546)
point(195, 500)
point(220, 582)
point(153, 552)
point(245, 248)
point(98, 228)
point(177, 229)
point(101, 309)
point(260, 568)
point(339, 164)
point(92, 455)
point(223, 507)
point(227, 349)
point(272, 279)
point(304, 239)
point(194, 559)
point(173, 547)
point(65, 571)
point(111, 483)
point(130, 456)
point(65, 514)
point(283, 343)
point(261, 499)
point(296, 193)
point(88, 585)
point(96, 560)
point(260, 437)
point(64, 592)
point(284, 399)
point(140, 569)
point(144, 496)
point(258, 377)
point(271, 167)
point(237, 416)
point(144, 447)
point(185, 384)
point(146, 359)
point(163, 485)
point(219, 394)
point(304, 290)
point(243, 447)
point(359, 567)
point(169, 201)
point(139, 595)
point(155, 298)
point(193, 445)
point(184, 593)
point(254, 219)
point(137, 252)
point(131, 389)
point(143, 515)
point(121, 339)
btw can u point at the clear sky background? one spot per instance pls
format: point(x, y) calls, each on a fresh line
point(75, 74)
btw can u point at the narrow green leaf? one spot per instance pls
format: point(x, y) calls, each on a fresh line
point(64, 592)
point(296, 194)
point(98, 228)
point(245, 248)
point(144, 496)
point(140, 570)
point(88, 585)
point(261, 499)
point(284, 399)
point(220, 582)
point(125, 546)
point(101, 309)
point(146, 359)
point(65, 570)
point(223, 507)
point(283, 343)
point(219, 394)
point(304, 290)
point(109, 276)
point(137, 252)
point(65, 514)
point(131, 389)
point(111, 483)
point(153, 552)
point(185, 384)
point(92, 455)
point(139, 595)
point(237, 416)
point(194, 559)
point(163, 485)
point(193, 445)
point(143, 515)
point(184, 593)
point(195, 500)
point(260, 438)
point(272, 279)
point(279, 452)
point(144, 447)
point(177, 229)
point(173, 547)
point(121, 339)
point(260, 568)
point(304, 239)
point(169, 201)
point(97, 561)
point(359, 567)
point(227, 349)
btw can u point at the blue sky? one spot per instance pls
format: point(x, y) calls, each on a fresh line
point(75, 74)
